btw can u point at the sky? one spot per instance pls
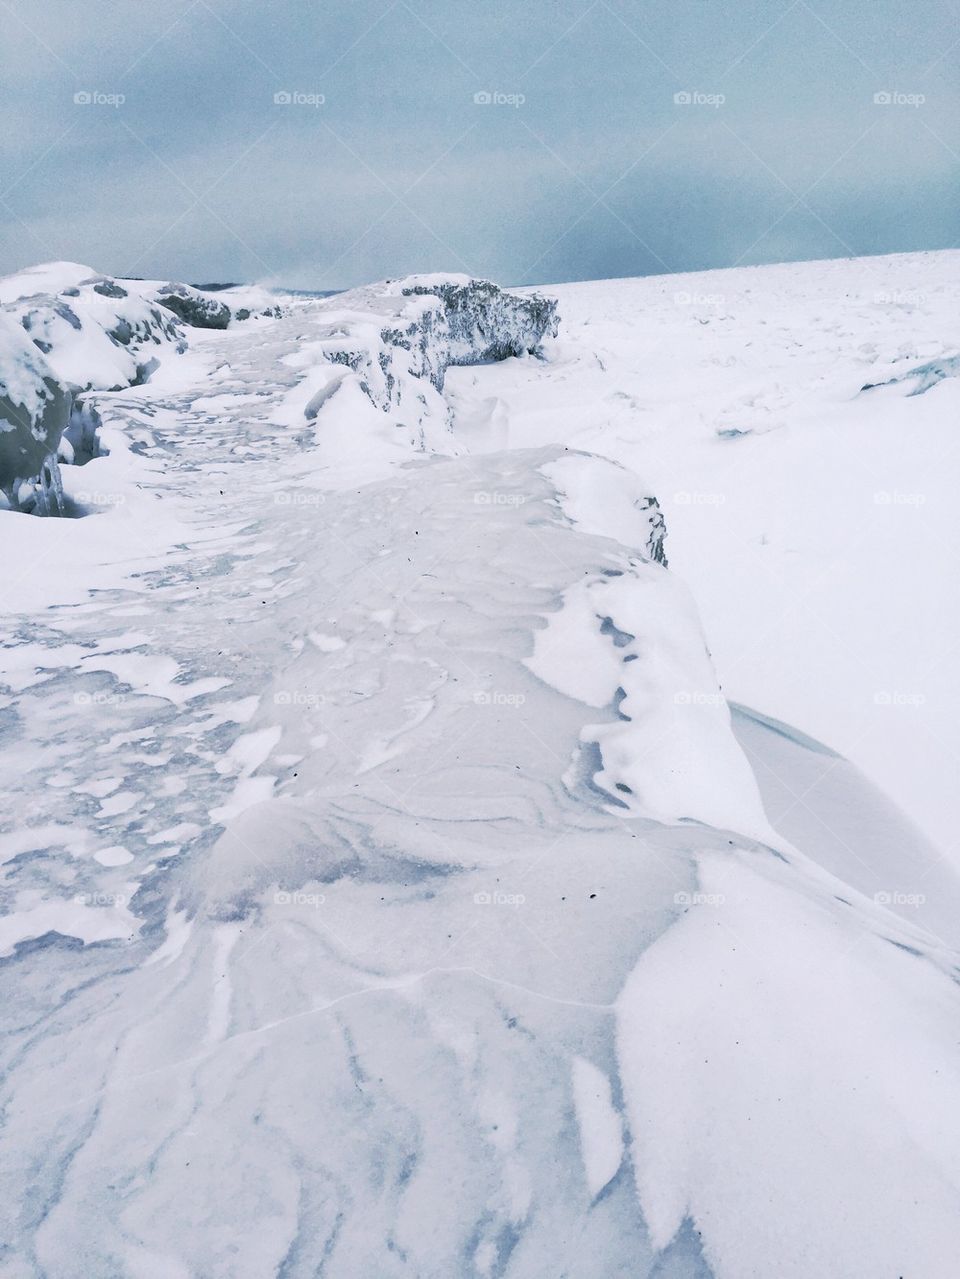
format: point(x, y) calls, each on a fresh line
point(320, 145)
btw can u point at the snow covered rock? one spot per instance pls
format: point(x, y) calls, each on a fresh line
point(78, 332)
point(99, 334)
point(34, 410)
point(197, 309)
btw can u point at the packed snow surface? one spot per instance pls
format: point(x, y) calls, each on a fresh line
point(390, 887)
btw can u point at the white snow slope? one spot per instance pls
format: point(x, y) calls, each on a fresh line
point(389, 887)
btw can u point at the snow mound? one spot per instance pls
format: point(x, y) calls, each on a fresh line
point(785, 1066)
point(45, 277)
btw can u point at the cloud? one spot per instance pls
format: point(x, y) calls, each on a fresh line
point(619, 159)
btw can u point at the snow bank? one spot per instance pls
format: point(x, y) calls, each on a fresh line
point(787, 1072)
point(633, 641)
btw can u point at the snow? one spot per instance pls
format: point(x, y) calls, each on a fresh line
point(601, 1130)
point(47, 277)
point(859, 1068)
point(815, 541)
point(406, 872)
point(669, 753)
point(105, 919)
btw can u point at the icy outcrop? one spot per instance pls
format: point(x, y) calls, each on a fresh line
point(64, 331)
point(399, 338)
point(468, 321)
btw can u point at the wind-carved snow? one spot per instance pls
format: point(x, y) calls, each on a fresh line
point(326, 956)
point(859, 1069)
point(633, 641)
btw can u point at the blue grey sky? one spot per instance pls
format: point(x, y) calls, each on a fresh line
point(585, 163)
